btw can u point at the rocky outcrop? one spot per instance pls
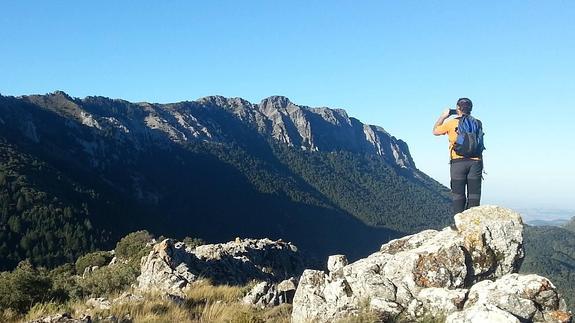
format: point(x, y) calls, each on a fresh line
point(266, 294)
point(526, 297)
point(324, 129)
point(166, 267)
point(171, 266)
point(464, 272)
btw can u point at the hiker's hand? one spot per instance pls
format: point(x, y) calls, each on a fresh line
point(445, 114)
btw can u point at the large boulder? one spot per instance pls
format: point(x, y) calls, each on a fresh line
point(527, 297)
point(432, 273)
point(244, 260)
point(167, 268)
point(493, 237)
point(170, 266)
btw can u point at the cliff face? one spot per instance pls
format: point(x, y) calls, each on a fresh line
point(312, 129)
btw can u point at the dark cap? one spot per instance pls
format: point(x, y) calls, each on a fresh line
point(465, 105)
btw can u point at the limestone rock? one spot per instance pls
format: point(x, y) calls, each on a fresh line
point(493, 236)
point(266, 294)
point(261, 295)
point(482, 313)
point(113, 261)
point(166, 268)
point(557, 317)
point(407, 243)
point(89, 270)
point(128, 297)
point(99, 303)
point(240, 262)
point(292, 124)
point(288, 285)
point(528, 297)
point(170, 267)
point(441, 301)
point(433, 273)
point(62, 318)
point(315, 291)
point(335, 265)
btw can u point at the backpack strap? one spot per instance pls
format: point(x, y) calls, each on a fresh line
point(452, 149)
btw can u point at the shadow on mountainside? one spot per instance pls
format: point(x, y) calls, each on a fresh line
point(239, 182)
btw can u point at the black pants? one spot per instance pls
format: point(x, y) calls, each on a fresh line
point(465, 173)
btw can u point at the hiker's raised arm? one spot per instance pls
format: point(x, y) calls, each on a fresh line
point(437, 127)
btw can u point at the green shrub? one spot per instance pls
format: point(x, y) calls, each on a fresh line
point(24, 287)
point(97, 258)
point(133, 246)
point(64, 284)
point(193, 242)
point(107, 280)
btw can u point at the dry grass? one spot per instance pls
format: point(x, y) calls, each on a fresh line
point(8, 316)
point(239, 313)
point(202, 302)
point(222, 312)
point(365, 317)
point(154, 309)
point(44, 309)
point(278, 314)
point(204, 291)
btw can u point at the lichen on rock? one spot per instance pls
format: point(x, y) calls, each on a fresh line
point(466, 273)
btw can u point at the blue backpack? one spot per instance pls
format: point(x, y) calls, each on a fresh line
point(469, 142)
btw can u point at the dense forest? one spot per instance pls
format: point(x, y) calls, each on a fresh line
point(550, 252)
point(46, 228)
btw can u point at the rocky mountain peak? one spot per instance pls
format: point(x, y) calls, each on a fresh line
point(54, 99)
point(59, 93)
point(59, 102)
point(215, 100)
point(276, 102)
point(223, 102)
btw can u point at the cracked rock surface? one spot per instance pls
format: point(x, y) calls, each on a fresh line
point(170, 266)
point(466, 273)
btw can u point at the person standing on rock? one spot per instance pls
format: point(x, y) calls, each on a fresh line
point(465, 134)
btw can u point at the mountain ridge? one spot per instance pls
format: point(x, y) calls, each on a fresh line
point(276, 115)
point(216, 168)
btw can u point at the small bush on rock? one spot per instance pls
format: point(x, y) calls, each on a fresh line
point(107, 280)
point(97, 258)
point(23, 287)
point(133, 247)
point(64, 282)
point(193, 242)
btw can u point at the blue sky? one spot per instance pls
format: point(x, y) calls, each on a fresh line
point(396, 64)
